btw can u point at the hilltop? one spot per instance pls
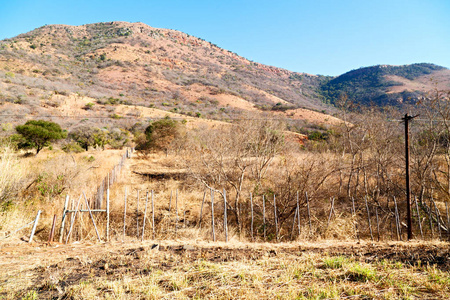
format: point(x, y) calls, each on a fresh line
point(59, 69)
point(122, 73)
point(387, 85)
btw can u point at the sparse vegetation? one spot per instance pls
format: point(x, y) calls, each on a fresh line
point(313, 186)
point(39, 134)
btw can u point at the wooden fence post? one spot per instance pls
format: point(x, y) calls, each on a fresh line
point(275, 214)
point(33, 230)
point(225, 222)
point(251, 209)
point(368, 217)
point(378, 223)
point(354, 216)
point(170, 201)
point(137, 215)
point(331, 212)
point(176, 212)
point(124, 214)
point(107, 214)
point(298, 216)
point(63, 219)
point(201, 211)
point(448, 218)
point(153, 217)
point(431, 222)
point(309, 214)
point(438, 217)
point(145, 217)
point(52, 231)
point(418, 217)
point(212, 215)
point(293, 224)
point(92, 217)
point(184, 212)
point(73, 220)
point(264, 217)
point(397, 221)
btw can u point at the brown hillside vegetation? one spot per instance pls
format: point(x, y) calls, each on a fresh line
point(65, 67)
point(439, 79)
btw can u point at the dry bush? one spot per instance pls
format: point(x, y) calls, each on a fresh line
point(10, 174)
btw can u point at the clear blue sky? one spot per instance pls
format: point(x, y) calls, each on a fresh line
point(326, 37)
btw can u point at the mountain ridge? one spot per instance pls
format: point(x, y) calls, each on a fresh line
point(134, 64)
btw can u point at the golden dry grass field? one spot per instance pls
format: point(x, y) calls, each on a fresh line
point(188, 265)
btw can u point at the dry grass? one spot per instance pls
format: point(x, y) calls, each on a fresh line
point(187, 265)
point(43, 181)
point(232, 271)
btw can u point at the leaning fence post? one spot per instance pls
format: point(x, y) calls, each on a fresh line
point(225, 222)
point(331, 212)
point(73, 220)
point(397, 220)
point(275, 214)
point(438, 217)
point(368, 217)
point(201, 211)
point(418, 217)
point(33, 230)
point(63, 219)
point(354, 216)
point(92, 217)
point(52, 231)
point(212, 215)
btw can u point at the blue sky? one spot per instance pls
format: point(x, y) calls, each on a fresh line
point(326, 37)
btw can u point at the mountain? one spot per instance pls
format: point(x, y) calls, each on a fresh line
point(122, 73)
point(59, 69)
point(387, 85)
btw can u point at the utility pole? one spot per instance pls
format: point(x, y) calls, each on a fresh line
point(406, 120)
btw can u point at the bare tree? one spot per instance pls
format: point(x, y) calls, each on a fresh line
point(227, 156)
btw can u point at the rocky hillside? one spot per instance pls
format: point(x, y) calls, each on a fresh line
point(387, 85)
point(97, 67)
point(120, 72)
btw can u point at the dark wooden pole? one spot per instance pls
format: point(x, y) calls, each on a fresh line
point(52, 232)
point(406, 119)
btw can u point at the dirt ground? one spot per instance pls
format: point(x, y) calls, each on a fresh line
point(51, 269)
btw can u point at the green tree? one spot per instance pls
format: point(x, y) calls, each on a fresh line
point(160, 135)
point(88, 136)
point(39, 134)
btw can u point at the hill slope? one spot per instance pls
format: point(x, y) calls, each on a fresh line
point(387, 85)
point(135, 64)
point(85, 72)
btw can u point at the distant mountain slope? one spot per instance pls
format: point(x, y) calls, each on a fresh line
point(147, 66)
point(386, 85)
point(97, 67)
